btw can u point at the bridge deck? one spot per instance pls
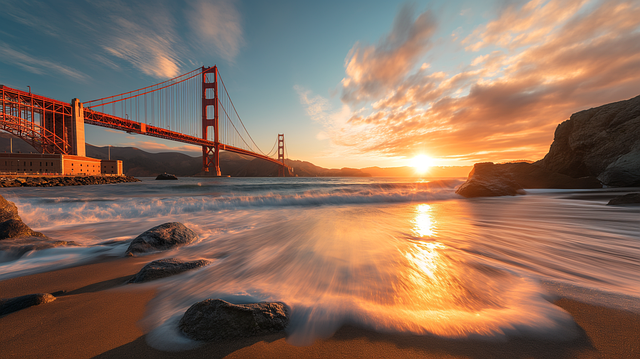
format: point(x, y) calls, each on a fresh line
point(22, 98)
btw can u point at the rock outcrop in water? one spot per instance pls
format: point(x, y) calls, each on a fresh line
point(487, 179)
point(508, 179)
point(16, 238)
point(18, 303)
point(166, 176)
point(602, 142)
point(162, 237)
point(215, 319)
point(629, 198)
point(165, 268)
point(11, 225)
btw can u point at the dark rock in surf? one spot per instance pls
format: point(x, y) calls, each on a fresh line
point(162, 237)
point(215, 319)
point(487, 180)
point(165, 268)
point(11, 225)
point(629, 198)
point(603, 142)
point(18, 303)
point(166, 176)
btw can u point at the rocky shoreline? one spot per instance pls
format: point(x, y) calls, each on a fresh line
point(594, 148)
point(46, 181)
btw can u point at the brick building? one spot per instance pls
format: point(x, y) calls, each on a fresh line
point(54, 164)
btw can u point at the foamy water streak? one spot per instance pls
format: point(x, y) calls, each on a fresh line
point(386, 254)
point(363, 266)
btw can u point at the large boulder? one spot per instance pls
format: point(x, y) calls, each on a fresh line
point(487, 179)
point(162, 237)
point(508, 179)
point(14, 304)
point(215, 319)
point(603, 142)
point(165, 268)
point(11, 225)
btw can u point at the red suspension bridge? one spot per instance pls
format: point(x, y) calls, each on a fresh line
point(193, 108)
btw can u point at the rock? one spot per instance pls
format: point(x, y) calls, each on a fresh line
point(508, 179)
point(602, 142)
point(15, 304)
point(166, 176)
point(215, 319)
point(486, 180)
point(165, 268)
point(629, 198)
point(11, 225)
point(162, 237)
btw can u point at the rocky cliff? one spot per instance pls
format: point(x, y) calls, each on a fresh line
point(603, 142)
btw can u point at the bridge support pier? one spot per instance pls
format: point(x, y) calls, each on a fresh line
point(211, 158)
point(77, 128)
point(210, 154)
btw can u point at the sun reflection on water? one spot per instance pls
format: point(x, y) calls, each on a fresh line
point(424, 223)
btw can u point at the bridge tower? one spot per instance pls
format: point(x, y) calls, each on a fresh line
point(281, 171)
point(210, 154)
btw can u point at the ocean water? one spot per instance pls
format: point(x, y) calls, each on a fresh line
point(388, 254)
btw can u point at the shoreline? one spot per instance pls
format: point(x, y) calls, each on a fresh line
point(57, 180)
point(99, 316)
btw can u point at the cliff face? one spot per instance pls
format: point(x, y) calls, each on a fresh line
point(603, 142)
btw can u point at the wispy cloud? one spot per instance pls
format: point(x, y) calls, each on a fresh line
point(37, 65)
point(537, 62)
point(159, 38)
point(218, 26)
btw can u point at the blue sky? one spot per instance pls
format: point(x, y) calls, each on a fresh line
point(357, 83)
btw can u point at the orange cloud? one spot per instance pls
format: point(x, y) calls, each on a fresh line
point(545, 60)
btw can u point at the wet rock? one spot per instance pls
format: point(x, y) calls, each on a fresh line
point(11, 225)
point(18, 303)
point(162, 237)
point(215, 319)
point(629, 198)
point(165, 268)
point(487, 180)
point(603, 142)
point(166, 176)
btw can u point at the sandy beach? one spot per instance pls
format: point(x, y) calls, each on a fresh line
point(99, 316)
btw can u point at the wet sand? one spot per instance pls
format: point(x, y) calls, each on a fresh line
point(98, 316)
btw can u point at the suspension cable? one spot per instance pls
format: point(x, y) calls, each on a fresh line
point(239, 119)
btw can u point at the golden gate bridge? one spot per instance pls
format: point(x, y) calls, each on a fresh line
point(193, 108)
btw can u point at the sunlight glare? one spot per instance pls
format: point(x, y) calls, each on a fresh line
point(422, 163)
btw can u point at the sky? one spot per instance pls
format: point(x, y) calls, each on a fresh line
point(349, 83)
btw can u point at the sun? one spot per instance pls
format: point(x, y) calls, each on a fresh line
point(422, 163)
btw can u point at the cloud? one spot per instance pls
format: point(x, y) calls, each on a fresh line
point(35, 65)
point(217, 23)
point(531, 67)
point(159, 38)
point(372, 69)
